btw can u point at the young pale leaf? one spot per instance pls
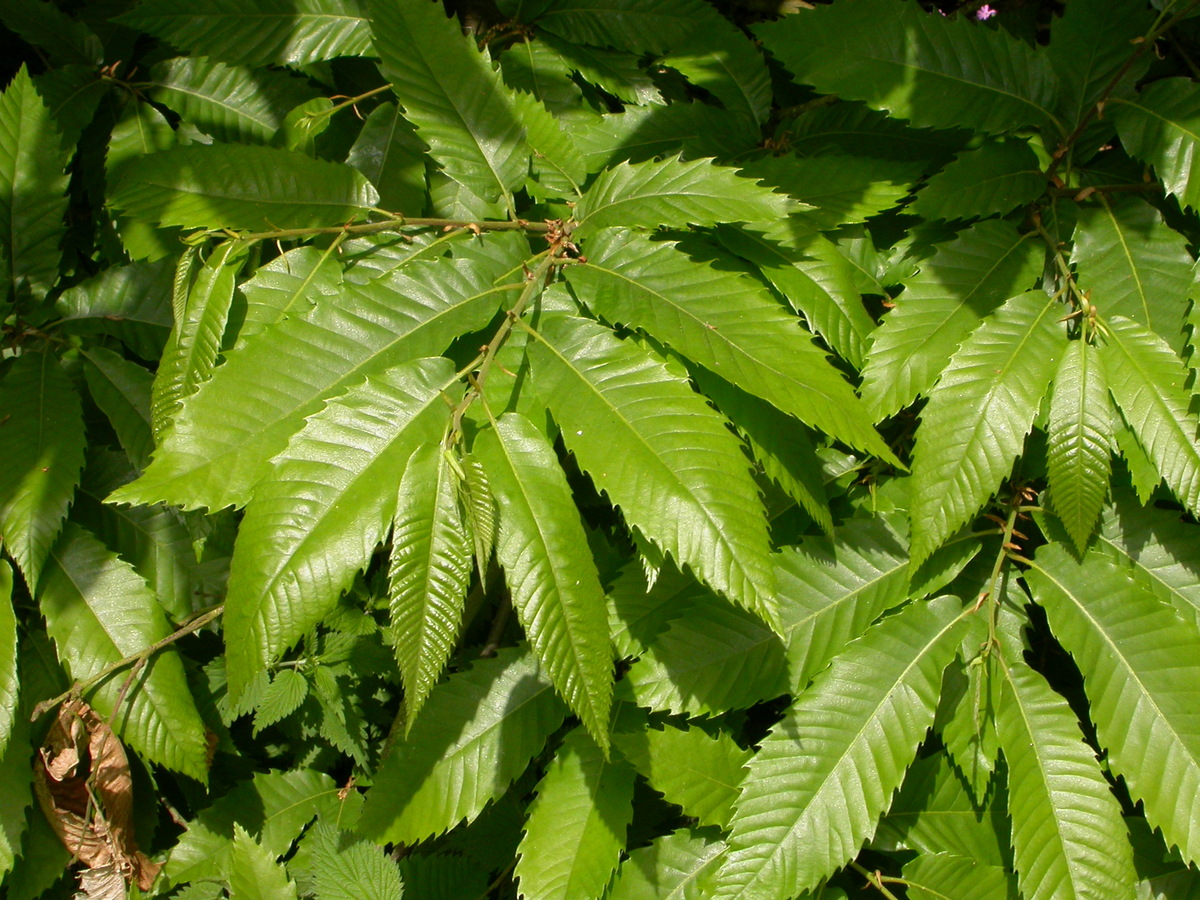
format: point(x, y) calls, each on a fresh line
point(964, 281)
point(282, 697)
point(978, 415)
point(9, 680)
point(257, 32)
point(1162, 126)
point(680, 866)
point(221, 443)
point(254, 873)
point(479, 731)
point(822, 778)
point(41, 443)
point(317, 518)
point(99, 611)
point(33, 186)
point(576, 828)
point(966, 721)
point(814, 277)
point(1081, 425)
point(935, 72)
point(275, 806)
point(349, 868)
point(635, 26)
point(452, 93)
point(479, 510)
point(1148, 382)
point(1140, 664)
point(692, 769)
point(555, 588)
point(230, 103)
point(676, 193)
point(727, 323)
point(834, 588)
point(241, 186)
point(660, 453)
point(1135, 265)
point(195, 340)
point(1068, 837)
point(993, 178)
point(711, 659)
point(429, 572)
point(1156, 548)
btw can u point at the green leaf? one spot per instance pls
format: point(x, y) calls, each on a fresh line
point(429, 572)
point(995, 178)
point(1162, 126)
point(846, 127)
point(33, 186)
point(692, 769)
point(121, 389)
point(934, 876)
point(934, 813)
point(1134, 265)
point(231, 103)
point(638, 612)
point(555, 589)
point(1156, 549)
point(241, 186)
point(935, 72)
point(1090, 46)
point(721, 59)
point(711, 659)
point(349, 869)
point(964, 281)
point(1081, 426)
point(821, 779)
point(576, 827)
point(67, 41)
point(283, 697)
point(724, 322)
point(221, 442)
point(558, 167)
point(636, 26)
point(290, 284)
point(783, 447)
point(1148, 382)
point(155, 540)
point(645, 133)
point(834, 588)
point(9, 679)
point(966, 719)
point(679, 866)
point(318, 516)
point(254, 873)
point(1139, 661)
point(479, 731)
point(845, 189)
point(132, 302)
point(978, 415)
point(1068, 837)
point(99, 611)
point(662, 455)
point(392, 157)
point(454, 96)
point(675, 193)
point(42, 443)
point(257, 32)
point(195, 339)
point(274, 806)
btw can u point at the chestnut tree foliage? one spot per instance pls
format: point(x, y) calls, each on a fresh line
point(616, 449)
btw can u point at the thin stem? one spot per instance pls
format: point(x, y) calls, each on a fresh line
point(134, 659)
point(877, 879)
point(395, 223)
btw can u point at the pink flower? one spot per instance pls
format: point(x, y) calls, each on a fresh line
point(985, 12)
